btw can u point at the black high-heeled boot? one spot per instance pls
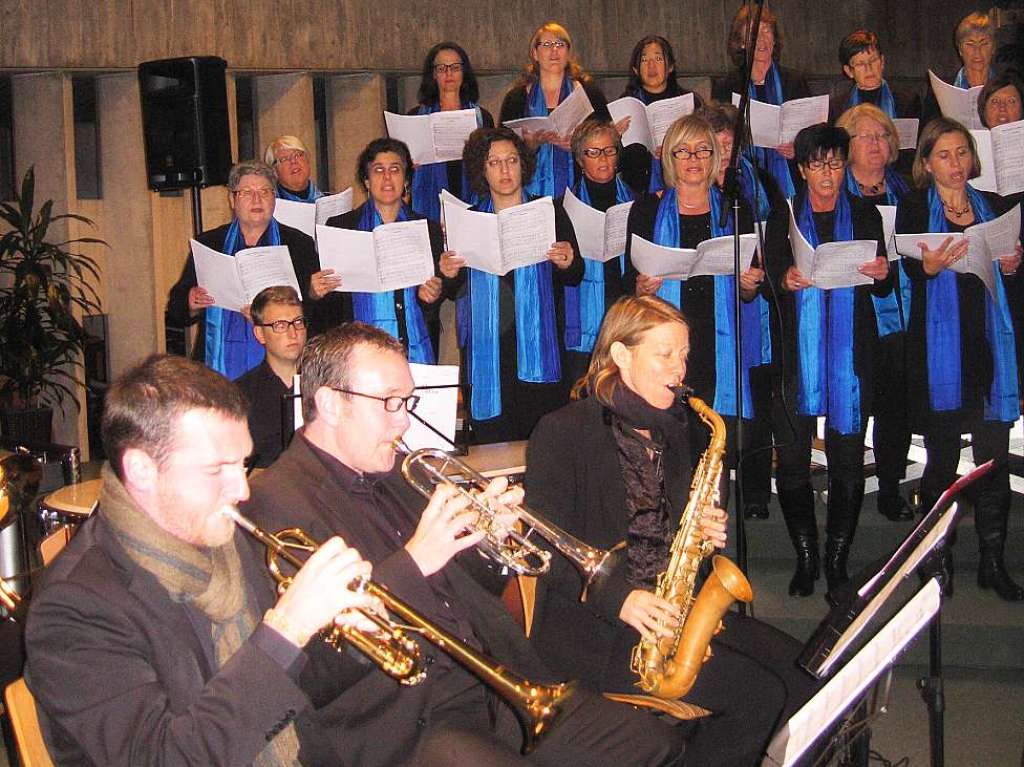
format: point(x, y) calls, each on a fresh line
point(798, 511)
point(992, 573)
point(844, 502)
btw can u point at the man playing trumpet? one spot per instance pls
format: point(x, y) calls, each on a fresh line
point(338, 476)
point(157, 637)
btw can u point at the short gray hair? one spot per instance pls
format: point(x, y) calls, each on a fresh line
point(250, 168)
point(283, 142)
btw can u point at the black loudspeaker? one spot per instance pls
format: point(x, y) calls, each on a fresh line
point(185, 122)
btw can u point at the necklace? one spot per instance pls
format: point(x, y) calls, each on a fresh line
point(956, 212)
point(872, 190)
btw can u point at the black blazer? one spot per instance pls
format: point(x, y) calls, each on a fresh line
point(377, 720)
point(573, 479)
point(124, 676)
point(304, 259)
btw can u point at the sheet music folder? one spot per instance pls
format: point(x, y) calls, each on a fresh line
point(843, 627)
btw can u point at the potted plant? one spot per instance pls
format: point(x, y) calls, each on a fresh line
point(43, 285)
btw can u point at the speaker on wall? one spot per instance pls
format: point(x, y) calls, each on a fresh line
point(185, 122)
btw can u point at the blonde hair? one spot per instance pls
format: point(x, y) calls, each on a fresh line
point(283, 142)
point(628, 321)
point(576, 72)
point(848, 121)
point(974, 23)
point(932, 132)
point(691, 127)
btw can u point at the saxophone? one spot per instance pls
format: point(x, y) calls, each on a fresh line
point(668, 666)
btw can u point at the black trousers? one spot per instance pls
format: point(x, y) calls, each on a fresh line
point(991, 496)
point(844, 452)
point(891, 435)
point(477, 729)
point(768, 424)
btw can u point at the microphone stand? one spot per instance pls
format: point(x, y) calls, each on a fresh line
point(731, 192)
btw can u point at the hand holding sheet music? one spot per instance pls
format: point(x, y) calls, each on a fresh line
point(648, 123)
point(601, 236)
point(234, 281)
point(499, 243)
point(833, 264)
point(305, 216)
point(435, 137)
point(709, 258)
point(563, 119)
point(391, 257)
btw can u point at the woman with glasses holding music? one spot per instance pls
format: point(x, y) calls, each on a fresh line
point(225, 341)
point(685, 214)
point(447, 84)
point(961, 355)
point(511, 327)
point(975, 41)
point(550, 77)
point(384, 170)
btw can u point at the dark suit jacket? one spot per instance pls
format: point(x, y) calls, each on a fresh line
point(304, 259)
point(377, 720)
point(124, 676)
point(573, 479)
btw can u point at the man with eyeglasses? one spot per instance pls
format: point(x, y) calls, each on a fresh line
point(339, 477)
point(225, 341)
point(280, 327)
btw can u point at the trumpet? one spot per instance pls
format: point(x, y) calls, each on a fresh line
point(389, 647)
point(536, 706)
point(427, 468)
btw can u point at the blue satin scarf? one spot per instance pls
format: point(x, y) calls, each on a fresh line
point(889, 314)
point(378, 309)
point(942, 330)
point(312, 193)
point(584, 305)
point(231, 348)
point(765, 157)
point(885, 99)
point(537, 352)
point(961, 78)
point(753, 316)
point(430, 179)
point(827, 383)
point(555, 167)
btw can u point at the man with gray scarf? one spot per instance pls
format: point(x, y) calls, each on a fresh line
point(157, 637)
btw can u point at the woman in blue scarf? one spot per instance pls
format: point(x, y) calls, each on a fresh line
point(447, 84)
point(384, 169)
point(961, 355)
point(975, 43)
point(290, 160)
point(511, 327)
point(832, 341)
point(771, 84)
point(871, 175)
point(683, 216)
point(652, 77)
point(225, 341)
point(596, 146)
point(550, 77)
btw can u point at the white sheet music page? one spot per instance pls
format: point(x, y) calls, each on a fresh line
point(765, 122)
point(350, 254)
point(437, 406)
point(447, 198)
point(297, 215)
point(526, 233)
point(415, 132)
point(404, 258)
point(803, 253)
point(449, 131)
point(639, 130)
point(1008, 153)
point(660, 260)
point(588, 223)
point(661, 114)
point(957, 103)
point(532, 124)
point(474, 237)
point(331, 205)
point(801, 113)
point(616, 220)
point(217, 273)
point(836, 264)
point(717, 256)
point(986, 182)
point(907, 129)
point(264, 267)
point(571, 112)
point(907, 244)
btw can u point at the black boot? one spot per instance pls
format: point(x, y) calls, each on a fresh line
point(844, 502)
point(893, 507)
point(992, 573)
point(798, 511)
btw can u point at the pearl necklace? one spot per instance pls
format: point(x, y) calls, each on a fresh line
point(957, 212)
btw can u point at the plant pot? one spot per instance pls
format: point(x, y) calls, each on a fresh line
point(27, 427)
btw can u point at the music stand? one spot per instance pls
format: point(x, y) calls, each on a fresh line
point(848, 684)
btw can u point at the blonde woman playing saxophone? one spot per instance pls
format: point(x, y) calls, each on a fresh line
point(615, 466)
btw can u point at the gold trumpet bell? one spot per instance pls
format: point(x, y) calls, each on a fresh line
point(540, 707)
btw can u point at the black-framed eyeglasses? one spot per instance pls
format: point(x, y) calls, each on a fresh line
point(391, 404)
point(454, 68)
point(682, 153)
point(596, 151)
point(549, 44)
point(833, 164)
point(281, 326)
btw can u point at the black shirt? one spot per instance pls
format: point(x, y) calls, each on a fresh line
point(271, 415)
